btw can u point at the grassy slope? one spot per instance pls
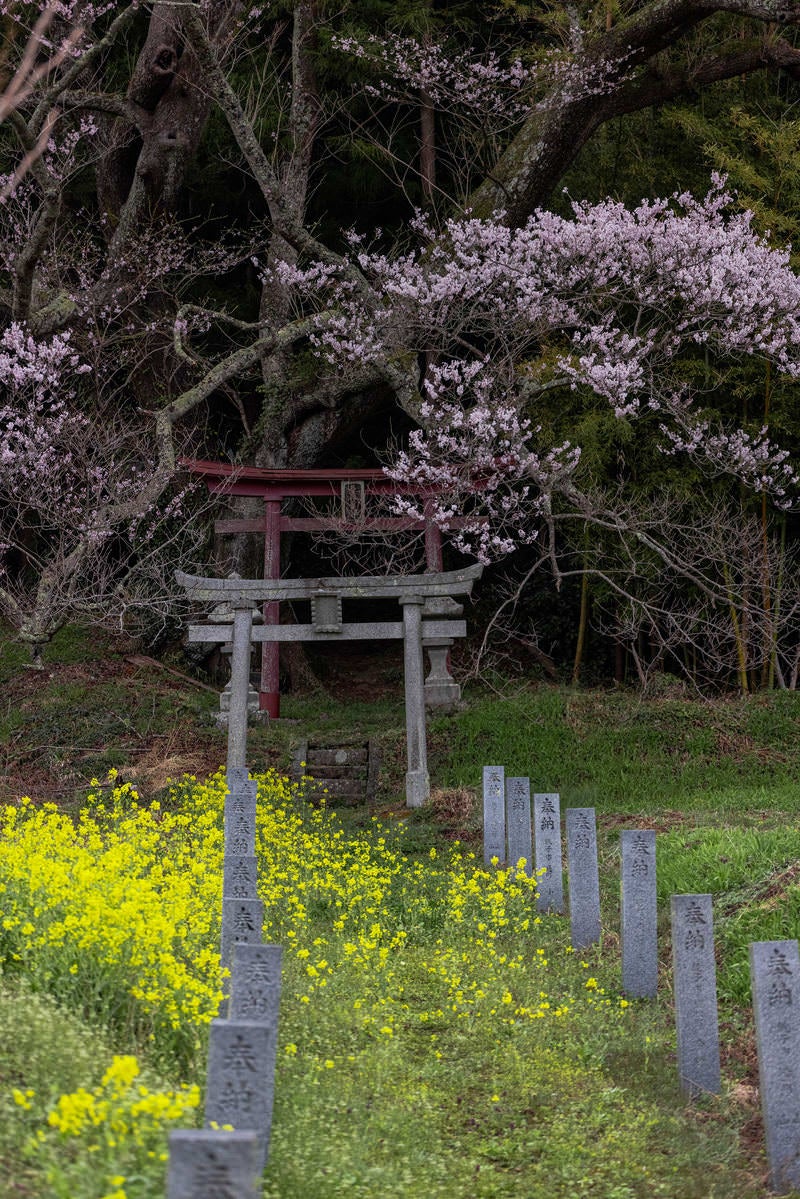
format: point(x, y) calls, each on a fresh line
point(718, 780)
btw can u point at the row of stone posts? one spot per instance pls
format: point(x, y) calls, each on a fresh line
point(512, 832)
point(214, 1161)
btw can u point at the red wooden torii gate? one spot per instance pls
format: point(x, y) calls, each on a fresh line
point(273, 487)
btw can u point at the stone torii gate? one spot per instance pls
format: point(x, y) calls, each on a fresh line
point(414, 593)
point(350, 488)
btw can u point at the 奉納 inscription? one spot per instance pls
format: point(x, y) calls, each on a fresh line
point(775, 978)
point(494, 816)
point(518, 822)
point(240, 1081)
point(639, 913)
point(694, 973)
point(584, 881)
point(547, 825)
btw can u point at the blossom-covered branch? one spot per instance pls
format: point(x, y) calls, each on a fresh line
point(611, 299)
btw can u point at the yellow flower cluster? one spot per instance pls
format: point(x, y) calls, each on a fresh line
point(119, 908)
point(357, 906)
point(107, 1137)
point(118, 911)
point(118, 1110)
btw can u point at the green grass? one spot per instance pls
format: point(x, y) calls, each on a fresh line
point(595, 1112)
point(627, 754)
point(48, 1050)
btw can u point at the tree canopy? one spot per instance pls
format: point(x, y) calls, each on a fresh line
point(254, 232)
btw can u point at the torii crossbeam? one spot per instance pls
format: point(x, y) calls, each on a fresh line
point(412, 592)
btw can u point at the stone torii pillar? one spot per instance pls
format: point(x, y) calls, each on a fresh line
point(417, 596)
point(240, 684)
point(418, 783)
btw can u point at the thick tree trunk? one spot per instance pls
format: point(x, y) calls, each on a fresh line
point(142, 174)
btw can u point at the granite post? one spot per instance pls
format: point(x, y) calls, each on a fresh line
point(547, 825)
point(584, 880)
point(206, 1163)
point(518, 823)
point(418, 784)
point(240, 684)
point(239, 876)
point(237, 777)
point(256, 996)
point(240, 1084)
point(242, 911)
point(242, 923)
point(494, 815)
point(694, 972)
point(256, 982)
point(775, 979)
point(240, 826)
point(639, 924)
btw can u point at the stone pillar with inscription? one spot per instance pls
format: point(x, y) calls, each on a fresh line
point(694, 972)
point(256, 995)
point(239, 1090)
point(584, 879)
point(547, 826)
point(494, 815)
point(775, 979)
point(639, 931)
point(518, 823)
point(242, 911)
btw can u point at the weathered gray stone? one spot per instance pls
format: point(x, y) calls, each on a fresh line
point(240, 830)
point(237, 777)
point(518, 822)
point(240, 684)
point(240, 876)
point(242, 796)
point(240, 1087)
point(695, 980)
point(547, 831)
point(775, 979)
point(639, 931)
point(584, 880)
point(494, 814)
point(254, 713)
point(256, 995)
point(259, 591)
point(242, 920)
point(441, 689)
point(208, 1164)
point(418, 784)
point(411, 591)
point(256, 982)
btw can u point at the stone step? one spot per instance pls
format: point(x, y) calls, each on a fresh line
point(349, 772)
point(342, 791)
point(337, 772)
point(327, 756)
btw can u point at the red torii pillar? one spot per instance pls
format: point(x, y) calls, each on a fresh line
point(273, 487)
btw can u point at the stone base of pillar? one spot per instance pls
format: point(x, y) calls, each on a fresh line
point(442, 695)
point(441, 689)
point(254, 713)
point(418, 788)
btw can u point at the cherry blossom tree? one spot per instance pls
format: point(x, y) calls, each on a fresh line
point(487, 314)
point(609, 300)
point(86, 530)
